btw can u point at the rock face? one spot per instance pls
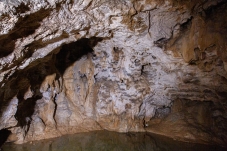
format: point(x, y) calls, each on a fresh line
point(83, 65)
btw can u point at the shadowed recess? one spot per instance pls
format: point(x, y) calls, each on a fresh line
point(4, 134)
point(69, 53)
point(39, 70)
point(24, 27)
point(33, 76)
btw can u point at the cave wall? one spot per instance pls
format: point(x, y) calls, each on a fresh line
point(75, 66)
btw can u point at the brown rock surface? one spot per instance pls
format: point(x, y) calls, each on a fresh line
point(75, 66)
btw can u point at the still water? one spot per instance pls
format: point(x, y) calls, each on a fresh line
point(110, 141)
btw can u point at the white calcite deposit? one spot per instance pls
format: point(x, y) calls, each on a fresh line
point(72, 66)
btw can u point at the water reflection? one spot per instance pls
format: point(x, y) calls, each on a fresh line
point(110, 141)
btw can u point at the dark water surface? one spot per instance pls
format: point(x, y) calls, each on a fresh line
point(110, 141)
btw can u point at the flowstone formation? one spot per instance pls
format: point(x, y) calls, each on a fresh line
point(137, 65)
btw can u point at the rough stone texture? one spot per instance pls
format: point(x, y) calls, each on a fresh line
point(74, 66)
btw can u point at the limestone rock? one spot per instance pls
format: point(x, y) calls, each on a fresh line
point(75, 66)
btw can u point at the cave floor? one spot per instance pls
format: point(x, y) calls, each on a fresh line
point(110, 141)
